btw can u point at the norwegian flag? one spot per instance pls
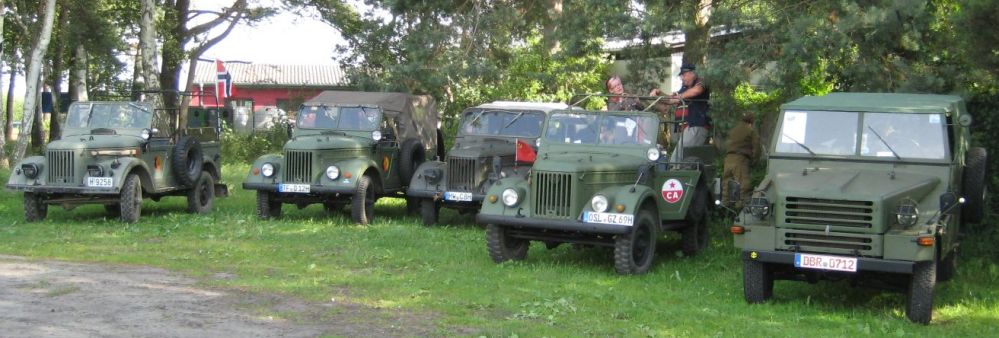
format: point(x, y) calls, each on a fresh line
point(223, 88)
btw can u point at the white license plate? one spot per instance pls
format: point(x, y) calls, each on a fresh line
point(458, 196)
point(296, 188)
point(608, 218)
point(100, 182)
point(823, 262)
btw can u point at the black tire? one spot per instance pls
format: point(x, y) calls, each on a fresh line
point(502, 247)
point(429, 211)
point(919, 300)
point(694, 237)
point(267, 207)
point(35, 208)
point(947, 267)
point(635, 251)
point(413, 154)
point(757, 281)
point(973, 185)
point(131, 199)
point(362, 204)
point(413, 205)
point(187, 161)
point(201, 198)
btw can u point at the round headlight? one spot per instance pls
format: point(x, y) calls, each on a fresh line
point(537, 142)
point(267, 170)
point(30, 170)
point(145, 134)
point(907, 214)
point(759, 206)
point(510, 197)
point(652, 154)
point(599, 203)
point(376, 135)
point(332, 172)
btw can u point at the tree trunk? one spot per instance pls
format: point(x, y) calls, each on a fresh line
point(56, 73)
point(550, 35)
point(3, 131)
point(147, 43)
point(37, 128)
point(696, 37)
point(31, 79)
point(78, 76)
point(8, 127)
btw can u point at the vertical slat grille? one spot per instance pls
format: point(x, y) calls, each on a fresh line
point(461, 174)
point(552, 195)
point(61, 164)
point(299, 167)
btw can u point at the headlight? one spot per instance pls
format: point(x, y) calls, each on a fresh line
point(376, 135)
point(652, 154)
point(95, 170)
point(332, 172)
point(759, 207)
point(510, 197)
point(267, 170)
point(907, 214)
point(599, 203)
point(433, 175)
point(31, 170)
point(145, 134)
point(537, 142)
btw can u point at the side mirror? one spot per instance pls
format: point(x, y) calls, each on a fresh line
point(734, 191)
point(947, 202)
point(964, 120)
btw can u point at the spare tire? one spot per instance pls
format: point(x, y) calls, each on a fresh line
point(187, 161)
point(413, 154)
point(973, 185)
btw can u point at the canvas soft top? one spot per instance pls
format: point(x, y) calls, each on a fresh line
point(417, 114)
point(877, 102)
point(542, 106)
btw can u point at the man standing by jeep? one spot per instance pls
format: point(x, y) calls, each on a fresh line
point(743, 148)
point(695, 95)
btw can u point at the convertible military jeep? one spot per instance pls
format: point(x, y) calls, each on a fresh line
point(600, 179)
point(865, 187)
point(484, 152)
point(348, 147)
point(116, 153)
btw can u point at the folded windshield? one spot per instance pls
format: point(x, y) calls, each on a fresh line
point(602, 129)
point(339, 118)
point(113, 115)
point(515, 123)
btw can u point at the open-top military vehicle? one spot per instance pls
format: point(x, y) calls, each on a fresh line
point(117, 153)
point(867, 187)
point(483, 152)
point(348, 147)
point(601, 179)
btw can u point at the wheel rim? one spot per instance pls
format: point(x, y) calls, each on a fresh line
point(204, 194)
point(641, 246)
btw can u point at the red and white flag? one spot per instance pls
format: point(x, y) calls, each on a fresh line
point(223, 88)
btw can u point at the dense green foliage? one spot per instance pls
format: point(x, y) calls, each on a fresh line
point(238, 148)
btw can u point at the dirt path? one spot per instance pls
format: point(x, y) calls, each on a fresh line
point(59, 299)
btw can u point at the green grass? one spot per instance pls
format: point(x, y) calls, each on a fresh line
point(445, 274)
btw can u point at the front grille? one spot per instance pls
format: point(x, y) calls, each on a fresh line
point(830, 242)
point(61, 164)
point(298, 166)
point(552, 194)
point(461, 174)
point(823, 212)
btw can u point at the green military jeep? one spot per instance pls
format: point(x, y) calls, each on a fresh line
point(484, 151)
point(866, 187)
point(348, 147)
point(116, 153)
point(600, 179)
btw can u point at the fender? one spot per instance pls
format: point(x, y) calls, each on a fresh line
point(254, 176)
point(19, 179)
point(624, 195)
point(126, 165)
point(676, 192)
point(355, 167)
point(497, 207)
point(427, 171)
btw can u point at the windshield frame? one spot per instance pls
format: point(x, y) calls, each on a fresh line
point(133, 106)
point(479, 112)
point(299, 119)
point(600, 115)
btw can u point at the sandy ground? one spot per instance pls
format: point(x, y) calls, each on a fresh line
point(59, 299)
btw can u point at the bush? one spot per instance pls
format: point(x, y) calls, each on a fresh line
point(244, 148)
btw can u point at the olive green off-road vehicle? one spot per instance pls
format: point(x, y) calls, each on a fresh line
point(484, 151)
point(866, 187)
point(348, 148)
point(117, 153)
point(600, 179)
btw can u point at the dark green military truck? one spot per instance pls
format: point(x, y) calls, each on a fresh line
point(484, 151)
point(117, 153)
point(867, 187)
point(600, 179)
point(347, 148)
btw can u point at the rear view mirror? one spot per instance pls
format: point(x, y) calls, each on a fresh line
point(734, 191)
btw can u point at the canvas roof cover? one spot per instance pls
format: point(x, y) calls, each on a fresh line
point(417, 116)
point(877, 102)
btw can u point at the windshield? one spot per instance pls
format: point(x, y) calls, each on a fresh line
point(112, 115)
point(602, 129)
point(502, 122)
point(341, 118)
point(919, 136)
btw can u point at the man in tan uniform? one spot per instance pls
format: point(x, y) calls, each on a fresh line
point(743, 149)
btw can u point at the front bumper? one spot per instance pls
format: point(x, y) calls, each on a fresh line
point(863, 263)
point(48, 189)
point(313, 189)
point(524, 222)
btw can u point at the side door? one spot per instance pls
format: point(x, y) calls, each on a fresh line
point(387, 152)
point(158, 151)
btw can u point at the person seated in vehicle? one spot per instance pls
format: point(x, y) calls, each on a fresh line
point(308, 118)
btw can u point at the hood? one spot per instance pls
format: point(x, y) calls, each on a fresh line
point(583, 162)
point(856, 184)
point(485, 147)
point(82, 142)
point(321, 142)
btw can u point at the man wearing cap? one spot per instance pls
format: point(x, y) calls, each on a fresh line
point(695, 94)
point(743, 148)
